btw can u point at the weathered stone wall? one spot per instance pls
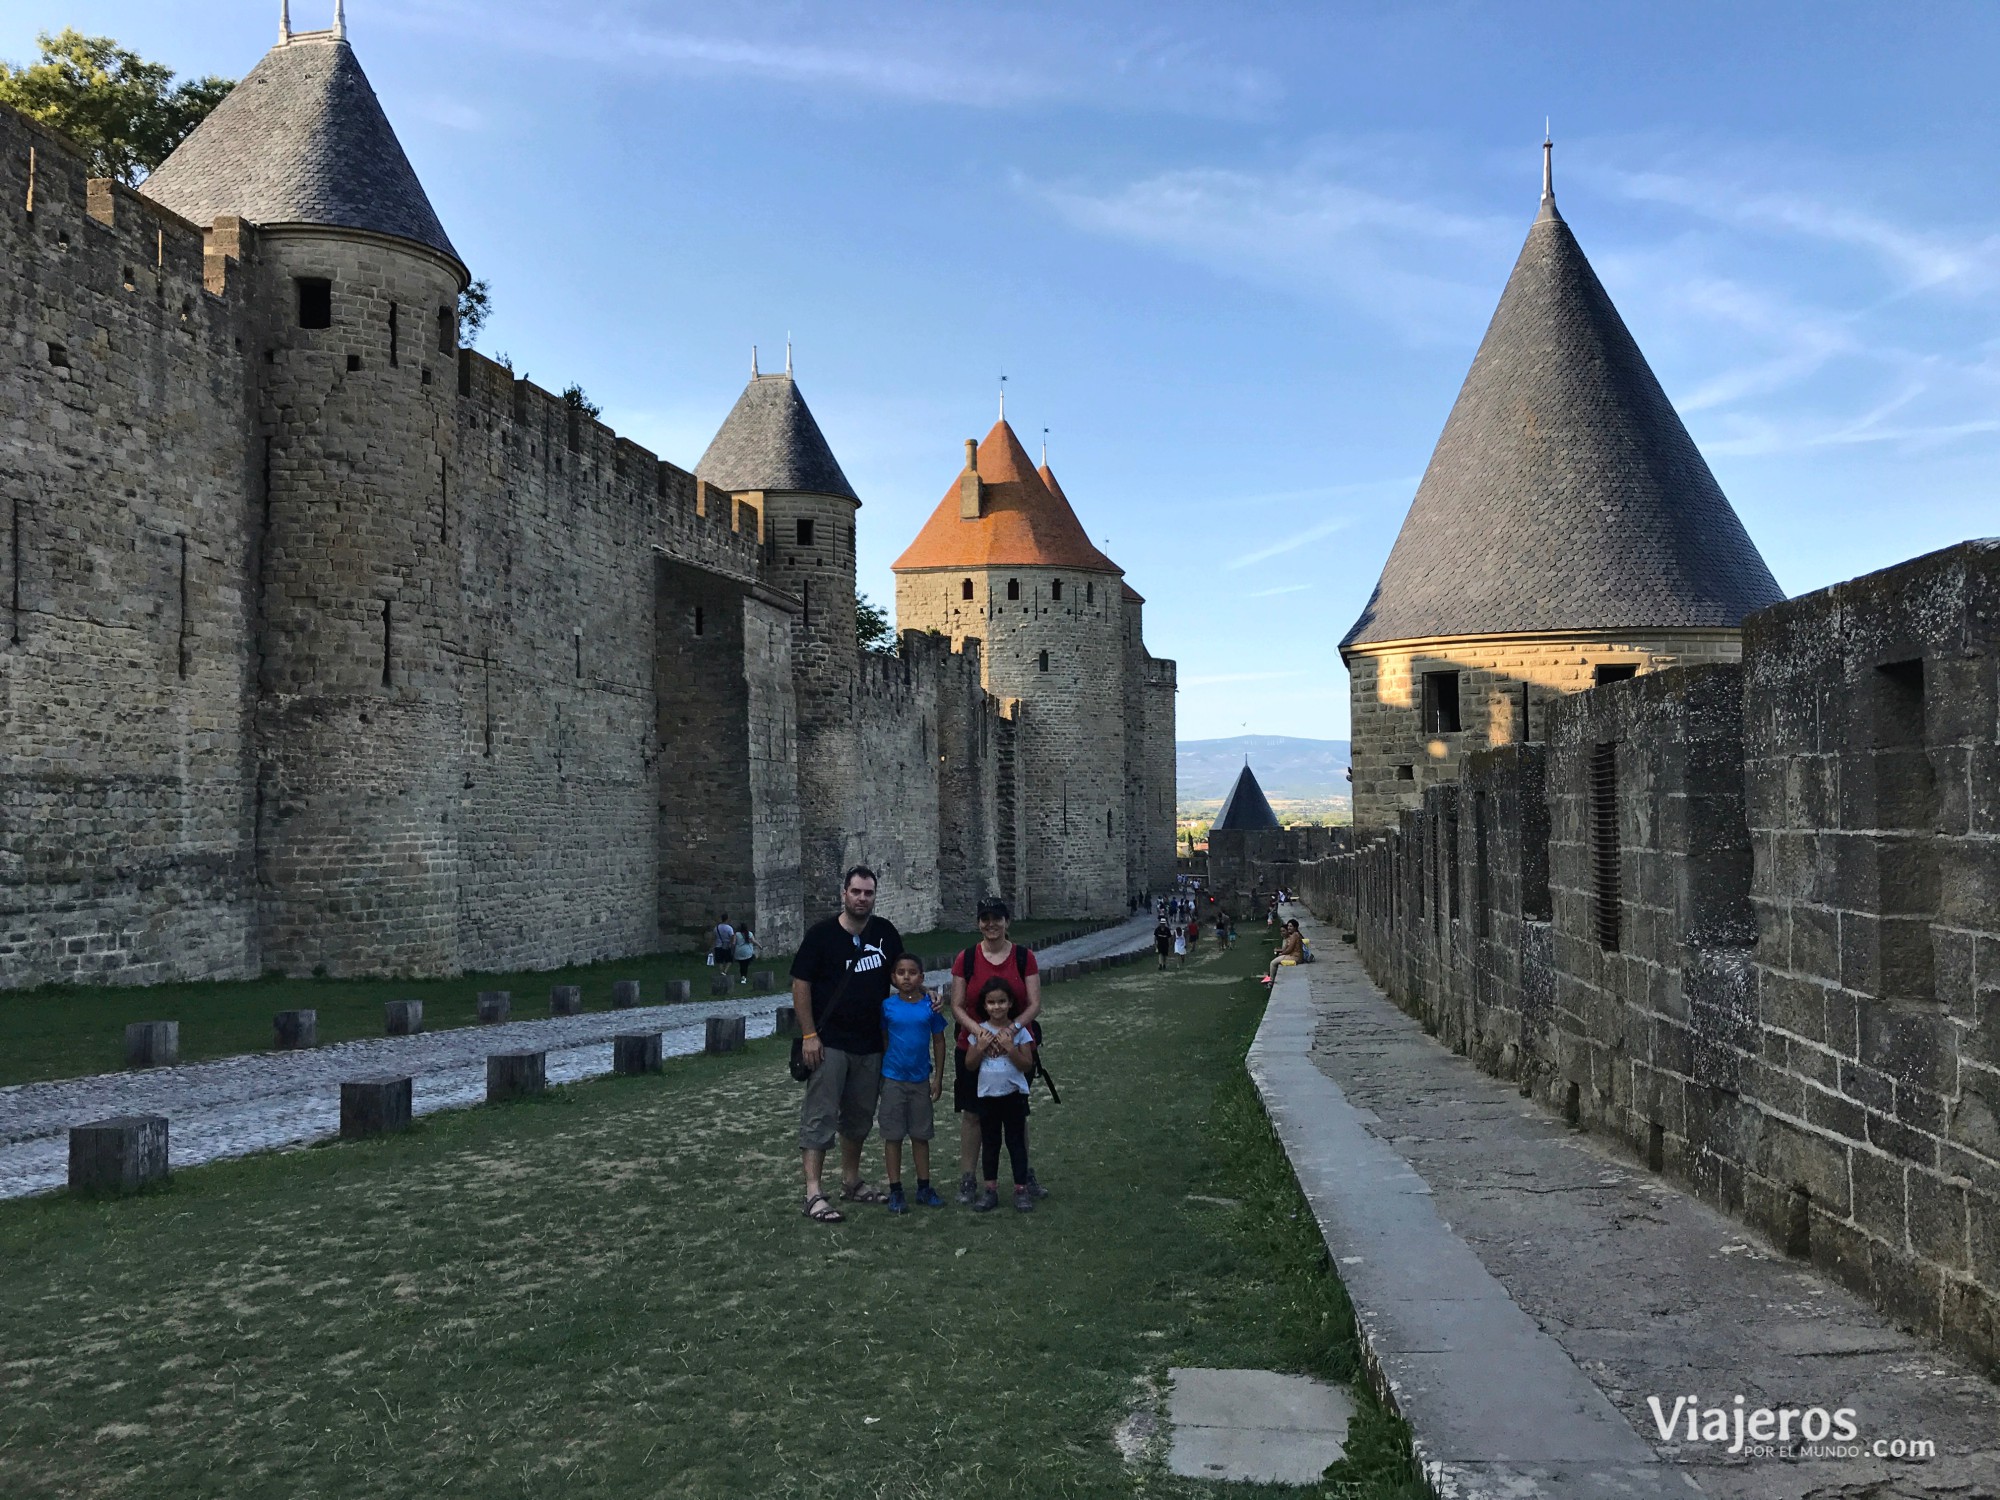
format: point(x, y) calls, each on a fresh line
point(1744, 919)
point(126, 517)
point(1505, 686)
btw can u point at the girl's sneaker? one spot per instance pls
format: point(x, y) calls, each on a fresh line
point(897, 1203)
point(1035, 1185)
point(1024, 1198)
point(928, 1196)
point(968, 1187)
point(987, 1202)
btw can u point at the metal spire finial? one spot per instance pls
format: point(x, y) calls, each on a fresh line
point(788, 354)
point(753, 361)
point(340, 20)
point(1045, 447)
point(1003, 398)
point(1548, 163)
point(284, 22)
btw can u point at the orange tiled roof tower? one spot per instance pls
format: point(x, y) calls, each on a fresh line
point(1003, 561)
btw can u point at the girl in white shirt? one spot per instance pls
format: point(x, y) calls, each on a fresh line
point(1003, 1055)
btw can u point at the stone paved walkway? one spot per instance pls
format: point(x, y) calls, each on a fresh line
point(1643, 1290)
point(261, 1101)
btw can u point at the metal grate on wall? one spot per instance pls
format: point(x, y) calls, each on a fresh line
point(1605, 892)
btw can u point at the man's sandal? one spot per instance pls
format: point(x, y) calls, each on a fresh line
point(862, 1192)
point(822, 1212)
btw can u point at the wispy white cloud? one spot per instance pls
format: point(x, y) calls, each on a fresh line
point(1290, 588)
point(1315, 229)
point(1290, 543)
point(954, 56)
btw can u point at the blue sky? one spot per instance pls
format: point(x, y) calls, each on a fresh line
point(1236, 258)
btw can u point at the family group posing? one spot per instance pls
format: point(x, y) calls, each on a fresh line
point(873, 1040)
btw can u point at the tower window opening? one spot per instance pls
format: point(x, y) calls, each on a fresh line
point(1441, 703)
point(965, 588)
point(1090, 593)
point(1043, 661)
point(1055, 590)
point(315, 302)
point(805, 533)
point(1612, 671)
point(1107, 822)
point(394, 341)
point(445, 339)
point(579, 653)
point(1013, 588)
point(387, 642)
point(353, 362)
point(699, 620)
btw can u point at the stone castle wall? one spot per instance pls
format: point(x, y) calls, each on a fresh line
point(338, 649)
point(1505, 685)
point(1743, 917)
point(126, 496)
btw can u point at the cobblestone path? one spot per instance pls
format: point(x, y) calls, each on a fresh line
point(261, 1101)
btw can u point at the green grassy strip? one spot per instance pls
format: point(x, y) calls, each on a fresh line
point(67, 1031)
point(611, 1292)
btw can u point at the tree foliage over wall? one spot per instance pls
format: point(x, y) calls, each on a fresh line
point(126, 114)
point(872, 630)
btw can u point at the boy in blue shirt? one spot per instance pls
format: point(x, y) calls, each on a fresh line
point(912, 1078)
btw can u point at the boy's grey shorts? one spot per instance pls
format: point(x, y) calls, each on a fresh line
point(906, 1111)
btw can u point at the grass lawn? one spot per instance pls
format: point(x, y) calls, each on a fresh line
point(611, 1292)
point(66, 1031)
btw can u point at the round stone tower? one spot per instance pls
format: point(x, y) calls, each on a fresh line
point(358, 720)
point(1003, 560)
point(770, 453)
point(1566, 533)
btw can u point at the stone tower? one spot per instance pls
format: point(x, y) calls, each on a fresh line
point(1003, 560)
point(357, 721)
point(1567, 532)
point(770, 454)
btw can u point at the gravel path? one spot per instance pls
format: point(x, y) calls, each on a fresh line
point(261, 1101)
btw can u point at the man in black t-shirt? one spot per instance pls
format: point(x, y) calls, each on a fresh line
point(840, 978)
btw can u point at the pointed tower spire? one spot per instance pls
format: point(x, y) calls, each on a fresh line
point(284, 22)
point(340, 20)
point(1045, 447)
point(770, 441)
point(1246, 806)
point(1549, 210)
point(788, 355)
point(753, 361)
point(1003, 398)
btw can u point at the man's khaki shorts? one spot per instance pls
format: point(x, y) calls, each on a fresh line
point(906, 1110)
point(841, 1093)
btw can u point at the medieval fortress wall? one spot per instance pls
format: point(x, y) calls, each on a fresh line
point(339, 649)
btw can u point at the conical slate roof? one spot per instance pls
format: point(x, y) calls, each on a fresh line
point(301, 140)
point(769, 441)
point(1022, 522)
point(1564, 493)
point(1246, 806)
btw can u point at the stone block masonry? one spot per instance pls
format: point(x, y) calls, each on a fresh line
point(1743, 917)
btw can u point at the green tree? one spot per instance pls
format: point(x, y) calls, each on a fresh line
point(575, 399)
point(475, 306)
point(126, 113)
point(872, 631)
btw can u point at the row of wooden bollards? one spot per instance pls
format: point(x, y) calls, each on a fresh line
point(157, 1044)
point(128, 1151)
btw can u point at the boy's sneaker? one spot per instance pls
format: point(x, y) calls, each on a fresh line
point(968, 1187)
point(1035, 1186)
point(1024, 1198)
point(897, 1203)
point(987, 1202)
point(928, 1196)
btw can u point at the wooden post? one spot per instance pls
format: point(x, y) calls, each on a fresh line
point(292, 1030)
point(635, 1052)
point(725, 1034)
point(403, 1017)
point(624, 994)
point(152, 1044)
point(785, 1022)
point(565, 1000)
point(679, 991)
point(373, 1106)
point(495, 1006)
point(764, 981)
point(118, 1155)
point(515, 1075)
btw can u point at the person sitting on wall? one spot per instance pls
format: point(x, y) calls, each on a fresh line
point(840, 978)
point(1290, 951)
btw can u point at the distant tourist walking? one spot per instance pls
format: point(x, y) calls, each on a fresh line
point(912, 1078)
point(746, 950)
point(1002, 1053)
point(839, 979)
point(994, 957)
point(721, 942)
point(1163, 940)
point(1180, 945)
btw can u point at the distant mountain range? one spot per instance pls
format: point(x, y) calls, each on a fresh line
point(1288, 768)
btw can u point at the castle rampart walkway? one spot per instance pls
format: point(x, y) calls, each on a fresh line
point(263, 1101)
point(1523, 1289)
